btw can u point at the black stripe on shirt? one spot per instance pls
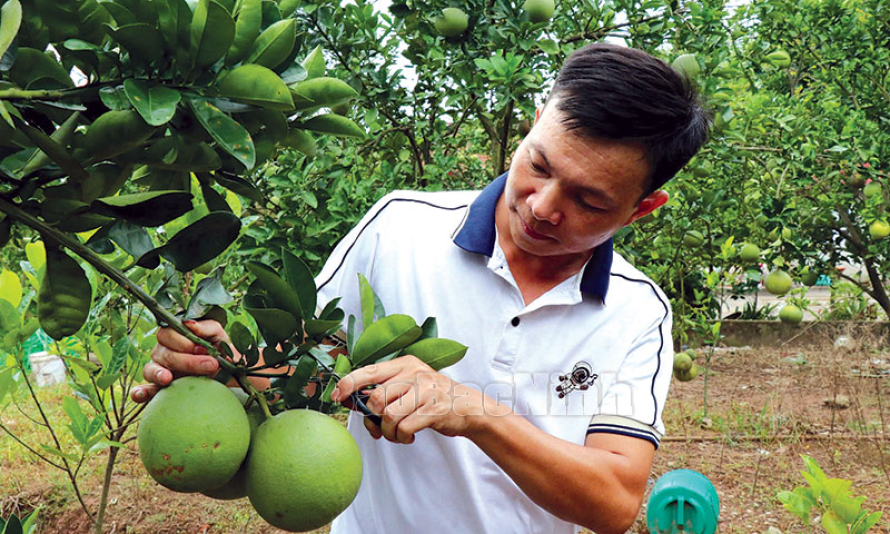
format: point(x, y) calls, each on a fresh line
point(345, 254)
point(660, 334)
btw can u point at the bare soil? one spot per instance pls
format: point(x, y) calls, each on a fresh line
point(765, 407)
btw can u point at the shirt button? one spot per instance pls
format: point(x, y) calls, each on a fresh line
point(515, 321)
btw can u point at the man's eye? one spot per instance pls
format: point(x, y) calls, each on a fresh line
point(537, 168)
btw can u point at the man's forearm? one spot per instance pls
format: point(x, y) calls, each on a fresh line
point(587, 486)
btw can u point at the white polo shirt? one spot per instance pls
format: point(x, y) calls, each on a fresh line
point(436, 254)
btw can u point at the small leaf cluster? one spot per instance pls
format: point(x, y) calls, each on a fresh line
point(14, 525)
point(293, 332)
point(830, 498)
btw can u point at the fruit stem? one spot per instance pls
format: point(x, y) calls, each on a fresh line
point(253, 392)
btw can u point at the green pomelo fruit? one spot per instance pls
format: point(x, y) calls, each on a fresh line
point(193, 435)
point(682, 362)
point(451, 22)
point(787, 234)
point(778, 282)
point(693, 239)
point(236, 487)
point(809, 278)
point(791, 314)
point(879, 229)
point(539, 10)
point(779, 59)
point(304, 469)
point(872, 189)
point(688, 65)
point(749, 252)
point(686, 376)
point(692, 354)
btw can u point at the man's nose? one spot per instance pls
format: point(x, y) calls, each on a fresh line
point(544, 204)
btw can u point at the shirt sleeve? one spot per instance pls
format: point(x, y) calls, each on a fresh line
point(634, 402)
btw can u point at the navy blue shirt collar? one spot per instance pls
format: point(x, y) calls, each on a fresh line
point(477, 235)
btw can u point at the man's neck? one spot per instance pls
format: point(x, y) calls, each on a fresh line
point(535, 275)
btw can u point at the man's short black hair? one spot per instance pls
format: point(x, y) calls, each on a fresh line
point(613, 92)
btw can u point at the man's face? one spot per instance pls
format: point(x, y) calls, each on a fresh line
point(566, 194)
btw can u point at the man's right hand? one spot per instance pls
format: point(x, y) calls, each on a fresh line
point(176, 356)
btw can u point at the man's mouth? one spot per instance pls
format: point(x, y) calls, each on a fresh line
point(529, 231)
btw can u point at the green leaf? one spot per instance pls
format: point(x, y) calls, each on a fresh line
point(106, 381)
point(848, 508)
point(29, 523)
point(248, 23)
point(430, 328)
point(114, 98)
point(300, 279)
point(274, 45)
point(33, 66)
point(7, 382)
point(10, 21)
point(549, 46)
point(324, 92)
point(294, 388)
point(281, 293)
point(202, 241)
point(65, 295)
point(813, 468)
point(12, 526)
point(73, 18)
point(258, 86)
point(836, 489)
point(142, 41)
point(174, 21)
point(156, 104)
point(436, 352)
point(833, 524)
point(152, 208)
point(367, 298)
point(212, 32)
point(279, 323)
point(10, 287)
point(79, 421)
point(56, 452)
point(241, 337)
point(300, 140)
point(314, 63)
point(210, 292)
point(334, 124)
point(118, 356)
point(230, 135)
point(135, 241)
point(796, 505)
point(350, 334)
point(864, 523)
point(390, 334)
point(116, 132)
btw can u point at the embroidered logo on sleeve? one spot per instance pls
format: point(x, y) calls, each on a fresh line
point(582, 377)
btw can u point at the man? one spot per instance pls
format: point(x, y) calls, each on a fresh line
point(552, 418)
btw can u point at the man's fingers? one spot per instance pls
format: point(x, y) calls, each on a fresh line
point(208, 329)
point(144, 393)
point(173, 340)
point(179, 363)
point(156, 374)
point(377, 373)
point(373, 429)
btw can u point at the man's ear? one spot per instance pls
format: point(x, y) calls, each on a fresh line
point(650, 203)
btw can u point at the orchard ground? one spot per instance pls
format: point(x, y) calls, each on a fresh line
point(766, 407)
